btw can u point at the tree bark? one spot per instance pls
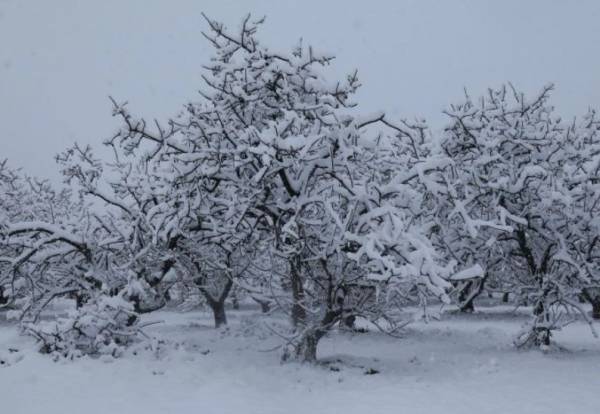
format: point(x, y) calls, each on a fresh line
point(298, 310)
point(593, 297)
point(3, 298)
point(596, 308)
point(81, 299)
point(349, 321)
point(468, 294)
point(542, 334)
point(265, 305)
point(220, 317)
point(468, 306)
point(235, 303)
point(306, 349)
point(217, 305)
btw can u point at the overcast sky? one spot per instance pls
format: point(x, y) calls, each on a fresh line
point(61, 59)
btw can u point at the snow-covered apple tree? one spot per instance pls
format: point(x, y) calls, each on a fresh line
point(271, 155)
point(54, 248)
point(517, 160)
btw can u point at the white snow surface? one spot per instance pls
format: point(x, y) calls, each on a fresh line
point(459, 364)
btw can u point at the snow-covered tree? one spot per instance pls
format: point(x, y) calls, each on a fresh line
point(516, 161)
point(33, 218)
point(272, 156)
point(54, 248)
point(580, 164)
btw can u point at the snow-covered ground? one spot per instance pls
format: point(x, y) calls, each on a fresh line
point(459, 364)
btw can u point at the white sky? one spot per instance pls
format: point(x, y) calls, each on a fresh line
point(60, 59)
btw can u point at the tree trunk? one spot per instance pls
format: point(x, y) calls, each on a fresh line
point(468, 306)
point(265, 305)
point(541, 333)
point(80, 299)
point(593, 297)
point(542, 337)
point(306, 349)
point(3, 298)
point(235, 302)
point(349, 321)
point(217, 305)
point(218, 308)
point(298, 311)
point(596, 308)
point(468, 294)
